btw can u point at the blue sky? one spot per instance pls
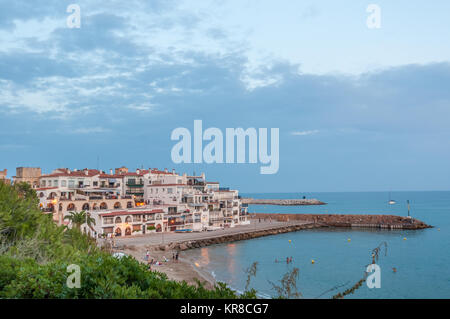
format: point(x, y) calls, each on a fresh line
point(358, 109)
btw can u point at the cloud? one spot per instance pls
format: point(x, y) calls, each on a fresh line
point(90, 130)
point(305, 133)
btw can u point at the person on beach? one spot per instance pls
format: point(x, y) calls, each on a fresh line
point(173, 256)
point(176, 257)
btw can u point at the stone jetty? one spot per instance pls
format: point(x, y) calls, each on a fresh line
point(341, 220)
point(284, 223)
point(282, 202)
point(248, 234)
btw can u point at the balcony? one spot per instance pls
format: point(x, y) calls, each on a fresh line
point(135, 184)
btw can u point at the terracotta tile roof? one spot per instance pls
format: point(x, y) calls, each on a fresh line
point(111, 176)
point(45, 188)
point(90, 173)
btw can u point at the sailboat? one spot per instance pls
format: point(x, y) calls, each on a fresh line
point(391, 201)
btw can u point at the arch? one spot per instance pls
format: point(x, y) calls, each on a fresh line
point(117, 205)
point(128, 231)
point(128, 220)
point(103, 206)
point(118, 232)
point(94, 206)
point(53, 195)
point(71, 207)
point(129, 205)
point(118, 220)
point(41, 194)
point(85, 206)
point(158, 228)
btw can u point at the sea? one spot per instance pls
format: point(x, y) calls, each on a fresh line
point(413, 263)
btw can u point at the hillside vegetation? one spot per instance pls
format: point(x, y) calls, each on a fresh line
point(35, 254)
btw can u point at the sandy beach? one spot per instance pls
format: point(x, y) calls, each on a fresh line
point(181, 270)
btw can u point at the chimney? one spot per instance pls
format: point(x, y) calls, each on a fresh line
point(173, 171)
point(110, 171)
point(138, 171)
point(86, 172)
point(166, 170)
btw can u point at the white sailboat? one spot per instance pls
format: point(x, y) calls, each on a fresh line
point(391, 201)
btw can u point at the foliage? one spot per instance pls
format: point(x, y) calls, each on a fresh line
point(80, 218)
point(35, 254)
point(288, 285)
point(251, 272)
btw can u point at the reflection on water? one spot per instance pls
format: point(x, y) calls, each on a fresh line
point(420, 262)
point(231, 263)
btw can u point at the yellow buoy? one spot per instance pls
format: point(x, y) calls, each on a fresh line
point(312, 261)
point(404, 238)
point(349, 240)
point(289, 241)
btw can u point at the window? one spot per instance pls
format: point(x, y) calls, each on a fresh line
point(108, 220)
point(95, 184)
point(55, 183)
point(71, 183)
point(43, 183)
point(169, 191)
point(63, 183)
point(49, 183)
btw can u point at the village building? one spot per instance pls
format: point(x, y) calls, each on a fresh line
point(126, 203)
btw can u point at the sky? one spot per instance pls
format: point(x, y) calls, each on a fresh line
point(358, 108)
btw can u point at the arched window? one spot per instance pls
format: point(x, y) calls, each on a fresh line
point(103, 206)
point(118, 220)
point(117, 205)
point(86, 206)
point(128, 219)
point(71, 207)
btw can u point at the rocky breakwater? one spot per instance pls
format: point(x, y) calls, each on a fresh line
point(341, 220)
point(189, 244)
point(282, 202)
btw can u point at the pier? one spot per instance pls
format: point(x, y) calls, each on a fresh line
point(282, 202)
point(266, 225)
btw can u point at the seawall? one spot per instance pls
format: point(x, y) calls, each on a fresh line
point(295, 222)
point(282, 202)
point(340, 220)
point(249, 234)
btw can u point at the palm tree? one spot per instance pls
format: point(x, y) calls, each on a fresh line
point(79, 218)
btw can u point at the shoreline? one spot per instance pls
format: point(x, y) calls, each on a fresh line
point(186, 269)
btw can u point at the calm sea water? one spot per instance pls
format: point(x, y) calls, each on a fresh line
point(422, 260)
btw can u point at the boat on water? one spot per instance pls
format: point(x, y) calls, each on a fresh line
point(391, 201)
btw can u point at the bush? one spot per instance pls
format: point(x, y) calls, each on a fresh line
point(35, 254)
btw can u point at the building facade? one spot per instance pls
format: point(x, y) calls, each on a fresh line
point(28, 175)
point(127, 203)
